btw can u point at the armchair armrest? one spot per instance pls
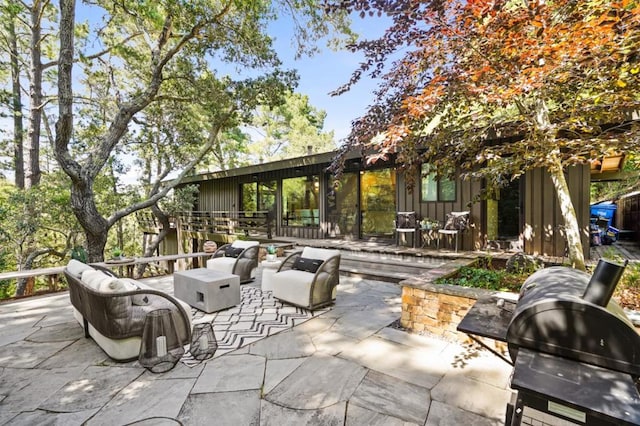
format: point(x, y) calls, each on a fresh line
point(220, 251)
point(288, 262)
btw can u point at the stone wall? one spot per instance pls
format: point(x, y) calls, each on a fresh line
point(437, 309)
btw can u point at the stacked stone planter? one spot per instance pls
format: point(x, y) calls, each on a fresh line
point(436, 309)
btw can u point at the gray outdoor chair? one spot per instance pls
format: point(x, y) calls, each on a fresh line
point(308, 278)
point(238, 258)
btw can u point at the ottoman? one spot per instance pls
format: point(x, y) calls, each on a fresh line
point(206, 289)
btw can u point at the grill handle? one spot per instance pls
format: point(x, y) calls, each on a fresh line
point(603, 282)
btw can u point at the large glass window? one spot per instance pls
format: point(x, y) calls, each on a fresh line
point(434, 189)
point(267, 196)
point(260, 196)
point(300, 201)
point(249, 197)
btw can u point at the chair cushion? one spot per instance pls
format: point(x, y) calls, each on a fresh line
point(318, 253)
point(244, 244)
point(76, 268)
point(116, 286)
point(307, 265)
point(222, 264)
point(457, 221)
point(293, 286)
point(95, 279)
point(233, 251)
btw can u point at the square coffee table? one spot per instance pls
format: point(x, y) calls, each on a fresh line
point(206, 289)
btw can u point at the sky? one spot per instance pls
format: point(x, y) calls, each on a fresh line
point(328, 70)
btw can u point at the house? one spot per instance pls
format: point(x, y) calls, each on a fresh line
point(298, 198)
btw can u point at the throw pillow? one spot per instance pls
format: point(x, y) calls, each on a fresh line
point(307, 265)
point(138, 299)
point(95, 279)
point(117, 286)
point(233, 251)
point(76, 268)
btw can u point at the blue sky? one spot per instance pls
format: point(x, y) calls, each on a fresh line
point(328, 70)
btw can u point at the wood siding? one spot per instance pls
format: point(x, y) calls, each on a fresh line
point(544, 225)
point(628, 214)
point(466, 193)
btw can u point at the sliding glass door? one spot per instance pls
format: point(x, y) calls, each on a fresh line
point(362, 205)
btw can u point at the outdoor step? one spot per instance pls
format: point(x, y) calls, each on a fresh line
point(385, 267)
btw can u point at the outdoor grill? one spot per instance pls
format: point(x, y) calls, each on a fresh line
point(576, 355)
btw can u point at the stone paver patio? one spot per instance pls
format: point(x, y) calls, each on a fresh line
point(344, 367)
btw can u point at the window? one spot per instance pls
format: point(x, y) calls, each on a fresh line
point(249, 197)
point(258, 196)
point(434, 189)
point(300, 201)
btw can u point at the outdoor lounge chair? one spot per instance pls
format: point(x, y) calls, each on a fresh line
point(308, 278)
point(238, 258)
point(112, 310)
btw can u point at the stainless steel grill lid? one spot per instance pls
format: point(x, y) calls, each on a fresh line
point(553, 316)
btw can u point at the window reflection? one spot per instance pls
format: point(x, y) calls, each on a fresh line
point(300, 201)
point(434, 189)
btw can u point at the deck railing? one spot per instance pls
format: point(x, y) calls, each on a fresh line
point(196, 223)
point(164, 265)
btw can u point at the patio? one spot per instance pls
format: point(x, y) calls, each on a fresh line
point(346, 366)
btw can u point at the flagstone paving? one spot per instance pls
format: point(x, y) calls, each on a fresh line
point(347, 366)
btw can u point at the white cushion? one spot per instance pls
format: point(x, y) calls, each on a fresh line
point(222, 264)
point(138, 299)
point(76, 268)
point(244, 244)
point(116, 286)
point(293, 286)
point(318, 253)
point(95, 279)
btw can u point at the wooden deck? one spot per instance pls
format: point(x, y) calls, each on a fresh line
point(623, 249)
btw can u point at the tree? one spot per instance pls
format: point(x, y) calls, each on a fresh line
point(47, 229)
point(157, 43)
point(288, 129)
point(496, 88)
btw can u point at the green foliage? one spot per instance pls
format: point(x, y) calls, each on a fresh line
point(490, 279)
point(79, 253)
point(7, 287)
point(288, 129)
point(631, 277)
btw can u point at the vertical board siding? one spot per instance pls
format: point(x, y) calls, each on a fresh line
point(466, 192)
point(544, 224)
point(628, 214)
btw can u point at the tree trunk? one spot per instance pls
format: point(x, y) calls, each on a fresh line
point(572, 230)
point(96, 228)
point(18, 126)
point(153, 246)
point(32, 171)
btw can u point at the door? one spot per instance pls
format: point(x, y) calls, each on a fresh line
point(378, 203)
point(362, 205)
point(509, 212)
point(343, 208)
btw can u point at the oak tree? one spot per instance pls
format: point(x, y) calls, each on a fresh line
point(158, 42)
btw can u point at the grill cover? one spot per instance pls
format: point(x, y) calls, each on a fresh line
point(551, 316)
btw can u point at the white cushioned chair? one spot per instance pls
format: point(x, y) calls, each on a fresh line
point(308, 278)
point(238, 258)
